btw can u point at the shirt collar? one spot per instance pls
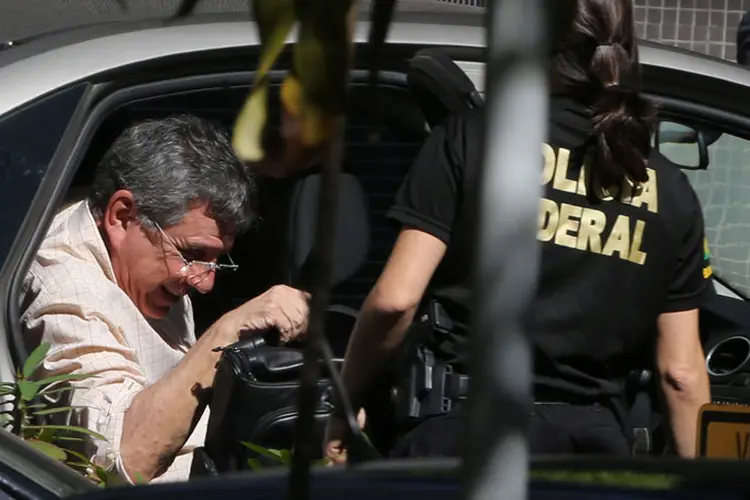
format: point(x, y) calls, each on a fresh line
point(85, 241)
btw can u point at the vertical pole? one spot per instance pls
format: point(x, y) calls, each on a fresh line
point(497, 455)
point(304, 444)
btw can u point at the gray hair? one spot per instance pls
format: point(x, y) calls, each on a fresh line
point(172, 164)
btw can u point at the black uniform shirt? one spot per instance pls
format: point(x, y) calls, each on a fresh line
point(608, 268)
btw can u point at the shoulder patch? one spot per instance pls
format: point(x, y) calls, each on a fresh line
point(707, 270)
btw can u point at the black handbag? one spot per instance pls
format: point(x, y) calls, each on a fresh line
point(255, 395)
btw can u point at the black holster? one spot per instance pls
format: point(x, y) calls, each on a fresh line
point(424, 384)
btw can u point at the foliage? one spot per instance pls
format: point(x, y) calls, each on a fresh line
point(283, 457)
point(314, 93)
point(24, 406)
point(609, 478)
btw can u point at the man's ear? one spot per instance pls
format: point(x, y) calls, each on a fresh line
point(118, 216)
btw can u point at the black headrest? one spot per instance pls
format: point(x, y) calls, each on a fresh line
point(352, 237)
point(440, 85)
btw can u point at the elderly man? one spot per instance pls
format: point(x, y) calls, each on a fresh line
point(108, 290)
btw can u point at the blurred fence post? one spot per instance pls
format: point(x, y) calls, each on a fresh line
point(497, 456)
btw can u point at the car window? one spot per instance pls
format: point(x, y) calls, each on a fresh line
point(29, 137)
point(724, 191)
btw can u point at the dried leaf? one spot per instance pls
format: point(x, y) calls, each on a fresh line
point(247, 138)
point(275, 19)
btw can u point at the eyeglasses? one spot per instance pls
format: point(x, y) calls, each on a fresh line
point(196, 270)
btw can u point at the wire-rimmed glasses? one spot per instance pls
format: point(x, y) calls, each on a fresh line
point(195, 271)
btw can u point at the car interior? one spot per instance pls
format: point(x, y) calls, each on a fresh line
point(383, 136)
point(382, 139)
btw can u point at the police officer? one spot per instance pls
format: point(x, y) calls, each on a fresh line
point(623, 266)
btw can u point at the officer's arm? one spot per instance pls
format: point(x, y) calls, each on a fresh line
point(389, 308)
point(682, 374)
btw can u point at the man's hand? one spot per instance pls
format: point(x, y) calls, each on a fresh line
point(281, 308)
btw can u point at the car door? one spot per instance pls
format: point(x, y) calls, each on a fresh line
point(30, 138)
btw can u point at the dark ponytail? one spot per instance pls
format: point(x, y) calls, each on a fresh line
point(598, 63)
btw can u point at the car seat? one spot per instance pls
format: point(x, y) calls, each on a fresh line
point(441, 87)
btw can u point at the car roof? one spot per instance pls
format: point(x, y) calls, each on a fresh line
point(41, 64)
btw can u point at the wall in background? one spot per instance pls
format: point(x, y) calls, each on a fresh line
point(708, 26)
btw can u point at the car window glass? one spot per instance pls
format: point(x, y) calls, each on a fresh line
point(29, 138)
point(724, 191)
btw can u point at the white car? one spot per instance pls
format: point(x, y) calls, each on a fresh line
point(64, 96)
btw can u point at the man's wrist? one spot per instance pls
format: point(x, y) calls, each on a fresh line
point(225, 331)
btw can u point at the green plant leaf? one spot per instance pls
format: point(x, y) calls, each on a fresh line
point(47, 435)
point(80, 465)
point(67, 428)
point(50, 411)
point(68, 438)
point(101, 473)
point(323, 461)
point(48, 449)
point(53, 389)
point(254, 464)
point(64, 377)
point(28, 389)
point(266, 452)
point(79, 456)
point(284, 455)
point(35, 359)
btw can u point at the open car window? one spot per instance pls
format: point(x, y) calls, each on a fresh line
point(724, 191)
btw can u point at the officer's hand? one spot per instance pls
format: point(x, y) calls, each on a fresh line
point(281, 308)
point(335, 436)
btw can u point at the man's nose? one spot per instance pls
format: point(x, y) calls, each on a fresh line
point(203, 284)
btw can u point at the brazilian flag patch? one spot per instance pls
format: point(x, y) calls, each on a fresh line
point(707, 270)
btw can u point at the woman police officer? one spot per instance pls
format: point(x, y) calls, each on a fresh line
point(623, 266)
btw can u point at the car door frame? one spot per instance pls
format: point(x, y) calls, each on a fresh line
point(727, 121)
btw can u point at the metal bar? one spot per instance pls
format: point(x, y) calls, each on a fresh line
point(497, 456)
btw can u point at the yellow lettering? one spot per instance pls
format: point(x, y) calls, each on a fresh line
point(568, 227)
point(648, 194)
point(582, 228)
point(548, 217)
point(549, 164)
point(619, 238)
point(637, 256)
point(561, 182)
point(590, 232)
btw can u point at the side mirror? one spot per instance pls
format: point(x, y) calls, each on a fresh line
point(683, 145)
